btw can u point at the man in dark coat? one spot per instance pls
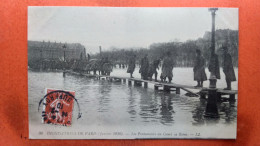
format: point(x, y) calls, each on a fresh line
point(228, 68)
point(131, 65)
point(199, 69)
point(144, 68)
point(214, 65)
point(167, 68)
point(153, 69)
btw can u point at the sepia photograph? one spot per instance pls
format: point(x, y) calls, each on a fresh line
point(132, 72)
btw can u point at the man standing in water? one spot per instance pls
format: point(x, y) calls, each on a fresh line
point(131, 65)
point(167, 68)
point(199, 69)
point(144, 67)
point(228, 68)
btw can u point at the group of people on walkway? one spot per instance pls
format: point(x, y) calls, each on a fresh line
point(214, 69)
point(148, 69)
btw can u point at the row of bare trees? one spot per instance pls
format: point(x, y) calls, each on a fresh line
point(182, 52)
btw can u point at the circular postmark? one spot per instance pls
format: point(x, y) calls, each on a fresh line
point(58, 107)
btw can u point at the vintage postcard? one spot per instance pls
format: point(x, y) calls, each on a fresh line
point(132, 72)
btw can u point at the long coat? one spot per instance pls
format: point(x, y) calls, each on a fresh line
point(228, 68)
point(167, 67)
point(131, 65)
point(199, 69)
point(153, 66)
point(214, 65)
point(144, 67)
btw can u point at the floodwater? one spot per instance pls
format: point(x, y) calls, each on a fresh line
point(108, 106)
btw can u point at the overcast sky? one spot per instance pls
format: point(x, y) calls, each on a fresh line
point(123, 27)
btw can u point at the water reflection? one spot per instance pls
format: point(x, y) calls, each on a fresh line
point(228, 112)
point(131, 104)
point(166, 110)
point(148, 105)
point(104, 96)
point(114, 103)
point(155, 106)
point(198, 112)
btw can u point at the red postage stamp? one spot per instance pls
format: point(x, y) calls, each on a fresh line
point(58, 107)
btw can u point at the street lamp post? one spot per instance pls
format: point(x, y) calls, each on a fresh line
point(211, 108)
point(213, 79)
point(213, 14)
point(64, 48)
point(100, 51)
point(64, 61)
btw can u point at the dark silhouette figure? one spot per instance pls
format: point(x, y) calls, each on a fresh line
point(144, 68)
point(153, 69)
point(228, 68)
point(199, 69)
point(167, 68)
point(131, 65)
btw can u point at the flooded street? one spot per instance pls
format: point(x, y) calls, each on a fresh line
point(111, 105)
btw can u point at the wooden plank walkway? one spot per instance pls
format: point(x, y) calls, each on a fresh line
point(167, 87)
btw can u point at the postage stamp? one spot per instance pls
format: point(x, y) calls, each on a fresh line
point(58, 107)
